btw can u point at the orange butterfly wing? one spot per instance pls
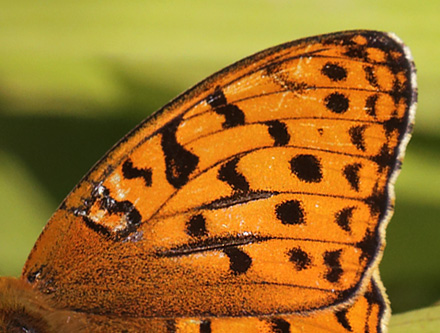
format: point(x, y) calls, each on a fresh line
point(264, 190)
point(368, 313)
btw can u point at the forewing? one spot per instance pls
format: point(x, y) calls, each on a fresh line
point(263, 190)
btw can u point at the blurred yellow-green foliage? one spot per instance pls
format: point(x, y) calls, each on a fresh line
point(75, 76)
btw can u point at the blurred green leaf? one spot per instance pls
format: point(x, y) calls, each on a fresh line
point(425, 320)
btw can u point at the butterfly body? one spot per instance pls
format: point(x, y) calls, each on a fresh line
point(258, 199)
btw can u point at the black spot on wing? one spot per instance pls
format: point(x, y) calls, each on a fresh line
point(377, 202)
point(229, 174)
point(332, 259)
point(357, 51)
point(351, 174)
point(299, 258)
point(399, 91)
point(370, 75)
point(129, 171)
point(278, 131)
point(370, 105)
point(239, 261)
point(395, 123)
point(341, 317)
point(337, 102)
point(368, 245)
point(196, 226)
point(385, 158)
point(290, 212)
point(343, 218)
point(180, 163)
point(232, 113)
point(334, 71)
point(356, 134)
point(307, 168)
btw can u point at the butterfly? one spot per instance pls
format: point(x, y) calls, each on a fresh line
point(256, 201)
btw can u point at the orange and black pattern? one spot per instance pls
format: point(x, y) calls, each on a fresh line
point(257, 201)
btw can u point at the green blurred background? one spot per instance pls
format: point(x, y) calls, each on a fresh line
point(75, 76)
